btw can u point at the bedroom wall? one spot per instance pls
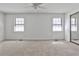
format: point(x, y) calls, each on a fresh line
point(2, 16)
point(37, 26)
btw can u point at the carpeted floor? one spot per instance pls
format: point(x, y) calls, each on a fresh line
point(38, 48)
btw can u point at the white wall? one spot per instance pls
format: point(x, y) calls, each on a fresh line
point(67, 27)
point(37, 26)
point(1, 26)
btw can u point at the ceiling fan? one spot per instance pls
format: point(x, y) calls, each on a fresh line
point(37, 5)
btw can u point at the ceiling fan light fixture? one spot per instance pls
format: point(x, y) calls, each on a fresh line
point(37, 6)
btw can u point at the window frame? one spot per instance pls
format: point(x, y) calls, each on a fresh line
point(57, 25)
point(18, 24)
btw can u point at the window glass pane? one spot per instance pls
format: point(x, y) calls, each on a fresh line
point(19, 28)
point(57, 28)
point(22, 22)
point(56, 20)
point(19, 20)
point(19, 23)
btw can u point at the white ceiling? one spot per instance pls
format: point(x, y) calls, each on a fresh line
point(49, 7)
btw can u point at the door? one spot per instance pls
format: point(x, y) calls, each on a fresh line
point(74, 26)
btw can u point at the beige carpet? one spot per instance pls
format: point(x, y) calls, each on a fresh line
point(38, 48)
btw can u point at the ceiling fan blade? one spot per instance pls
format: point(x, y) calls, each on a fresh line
point(36, 6)
point(42, 7)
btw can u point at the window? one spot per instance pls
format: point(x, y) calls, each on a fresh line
point(57, 24)
point(19, 25)
point(73, 24)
